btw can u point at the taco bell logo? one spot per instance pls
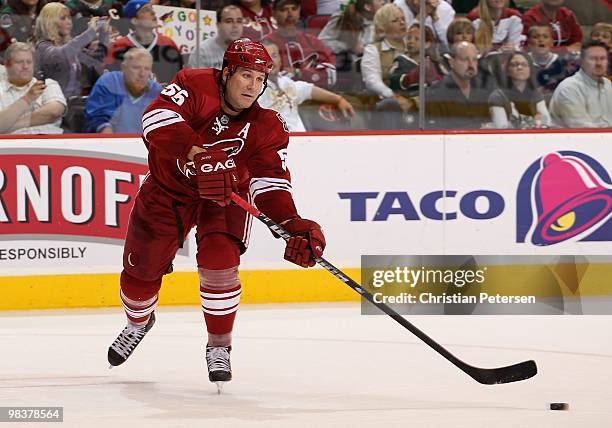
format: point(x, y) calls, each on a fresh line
point(562, 196)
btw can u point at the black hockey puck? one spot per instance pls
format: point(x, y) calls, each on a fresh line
point(559, 406)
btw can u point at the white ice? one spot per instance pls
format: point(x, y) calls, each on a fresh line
point(308, 365)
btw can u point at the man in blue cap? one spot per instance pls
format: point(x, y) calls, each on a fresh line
point(167, 60)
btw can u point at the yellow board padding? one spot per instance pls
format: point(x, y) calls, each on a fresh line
point(288, 286)
point(178, 288)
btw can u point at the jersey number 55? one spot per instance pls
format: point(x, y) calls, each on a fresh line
point(175, 93)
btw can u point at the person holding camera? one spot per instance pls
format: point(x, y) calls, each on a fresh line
point(62, 57)
point(82, 10)
point(28, 105)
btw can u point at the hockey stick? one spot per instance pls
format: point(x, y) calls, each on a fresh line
point(516, 372)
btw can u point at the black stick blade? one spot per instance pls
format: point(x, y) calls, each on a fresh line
point(514, 373)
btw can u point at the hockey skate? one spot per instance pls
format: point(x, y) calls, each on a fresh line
point(126, 342)
point(219, 367)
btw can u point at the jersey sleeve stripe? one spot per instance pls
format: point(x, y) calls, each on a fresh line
point(150, 113)
point(267, 184)
point(263, 185)
point(160, 124)
point(270, 180)
point(158, 115)
point(159, 111)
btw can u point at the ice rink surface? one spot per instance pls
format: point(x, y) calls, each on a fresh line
point(308, 366)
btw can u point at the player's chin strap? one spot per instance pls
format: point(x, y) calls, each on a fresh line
point(223, 92)
point(265, 85)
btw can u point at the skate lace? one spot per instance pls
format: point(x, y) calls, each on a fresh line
point(128, 339)
point(218, 358)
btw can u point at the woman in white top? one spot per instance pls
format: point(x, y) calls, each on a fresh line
point(393, 111)
point(390, 27)
point(518, 103)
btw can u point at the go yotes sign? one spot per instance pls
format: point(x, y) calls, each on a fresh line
point(68, 193)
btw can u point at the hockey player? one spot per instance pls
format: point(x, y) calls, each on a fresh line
point(207, 137)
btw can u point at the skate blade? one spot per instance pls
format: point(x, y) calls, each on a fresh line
point(219, 387)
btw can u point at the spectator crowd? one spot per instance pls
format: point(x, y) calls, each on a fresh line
point(93, 66)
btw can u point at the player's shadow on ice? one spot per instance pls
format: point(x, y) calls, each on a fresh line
point(179, 403)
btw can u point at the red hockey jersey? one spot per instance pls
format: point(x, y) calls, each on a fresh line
point(167, 59)
point(317, 64)
point(257, 26)
point(566, 30)
point(188, 113)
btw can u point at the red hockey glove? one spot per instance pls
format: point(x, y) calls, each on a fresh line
point(216, 176)
point(308, 242)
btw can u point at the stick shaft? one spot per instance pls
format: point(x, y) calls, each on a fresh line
point(347, 280)
point(479, 374)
